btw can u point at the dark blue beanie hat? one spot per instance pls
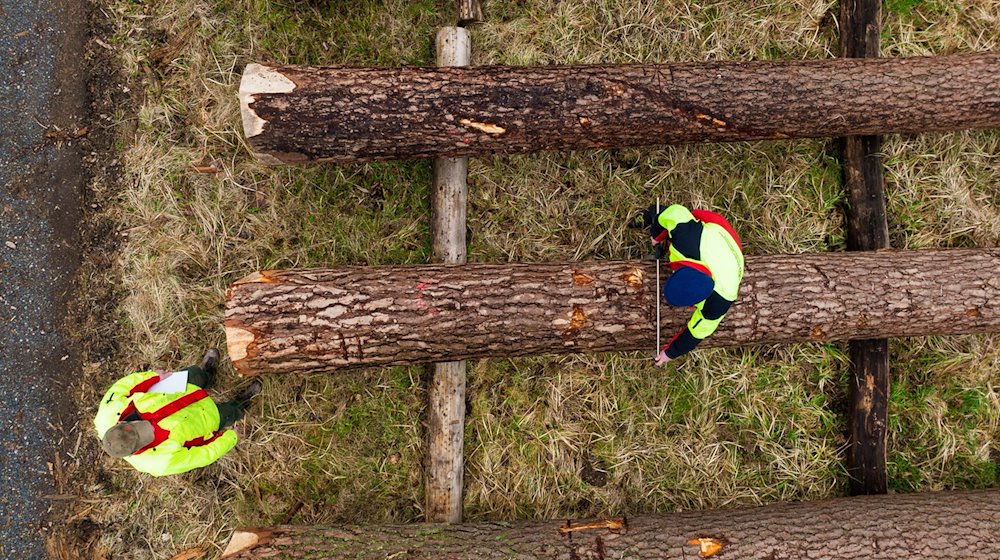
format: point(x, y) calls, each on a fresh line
point(687, 286)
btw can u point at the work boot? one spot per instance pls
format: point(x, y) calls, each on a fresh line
point(234, 409)
point(210, 361)
point(247, 394)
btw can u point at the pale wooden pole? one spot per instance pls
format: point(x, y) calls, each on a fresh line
point(446, 391)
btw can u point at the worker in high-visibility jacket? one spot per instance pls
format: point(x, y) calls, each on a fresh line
point(706, 257)
point(164, 433)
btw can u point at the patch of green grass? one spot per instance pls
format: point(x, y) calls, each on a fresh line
point(902, 7)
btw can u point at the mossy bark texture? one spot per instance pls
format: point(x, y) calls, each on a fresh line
point(944, 526)
point(323, 320)
point(297, 114)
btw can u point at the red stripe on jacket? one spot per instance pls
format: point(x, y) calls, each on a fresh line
point(200, 440)
point(145, 385)
point(710, 217)
point(676, 265)
point(160, 434)
point(671, 341)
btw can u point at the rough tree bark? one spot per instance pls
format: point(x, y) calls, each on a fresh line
point(446, 390)
point(323, 320)
point(944, 526)
point(295, 114)
point(867, 230)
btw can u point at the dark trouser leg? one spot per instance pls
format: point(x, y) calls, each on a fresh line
point(199, 377)
point(229, 413)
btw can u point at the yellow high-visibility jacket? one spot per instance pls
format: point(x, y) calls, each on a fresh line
point(185, 425)
point(702, 240)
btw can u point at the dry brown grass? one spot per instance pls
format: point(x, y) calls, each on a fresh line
point(581, 435)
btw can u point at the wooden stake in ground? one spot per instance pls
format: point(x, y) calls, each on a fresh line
point(943, 526)
point(446, 391)
point(469, 12)
point(323, 320)
point(867, 230)
point(294, 114)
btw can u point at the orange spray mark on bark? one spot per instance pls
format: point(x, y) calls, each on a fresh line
point(577, 319)
point(708, 546)
point(582, 279)
point(633, 277)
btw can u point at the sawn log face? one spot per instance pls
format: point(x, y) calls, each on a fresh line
point(302, 113)
point(939, 525)
point(323, 320)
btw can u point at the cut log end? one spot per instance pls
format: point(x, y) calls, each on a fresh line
point(260, 277)
point(259, 79)
point(238, 342)
point(243, 541)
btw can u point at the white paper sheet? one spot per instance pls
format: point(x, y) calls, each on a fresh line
point(176, 382)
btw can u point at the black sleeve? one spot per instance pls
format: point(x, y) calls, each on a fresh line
point(683, 343)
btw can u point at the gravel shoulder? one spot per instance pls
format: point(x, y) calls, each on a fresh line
point(43, 114)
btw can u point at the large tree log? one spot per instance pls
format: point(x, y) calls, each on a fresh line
point(867, 230)
point(943, 526)
point(326, 319)
point(296, 114)
point(446, 390)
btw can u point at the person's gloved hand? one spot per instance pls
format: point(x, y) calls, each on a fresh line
point(662, 358)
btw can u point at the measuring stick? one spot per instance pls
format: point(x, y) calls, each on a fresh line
point(657, 294)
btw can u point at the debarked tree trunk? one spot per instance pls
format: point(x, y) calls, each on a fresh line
point(942, 526)
point(294, 114)
point(323, 320)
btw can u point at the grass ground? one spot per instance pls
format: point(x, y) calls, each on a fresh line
point(562, 436)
